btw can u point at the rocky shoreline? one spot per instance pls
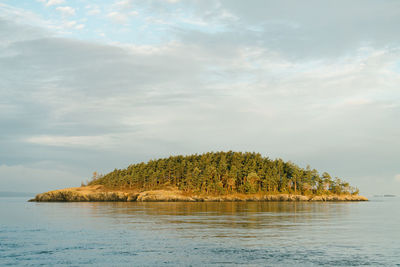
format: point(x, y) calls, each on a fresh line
point(101, 194)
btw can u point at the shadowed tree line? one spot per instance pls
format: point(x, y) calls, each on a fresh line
point(223, 173)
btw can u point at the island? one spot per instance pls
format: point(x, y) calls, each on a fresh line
point(213, 176)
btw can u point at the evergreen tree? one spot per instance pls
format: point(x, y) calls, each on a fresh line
point(224, 172)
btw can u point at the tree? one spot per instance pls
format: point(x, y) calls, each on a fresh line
point(252, 183)
point(221, 172)
point(326, 181)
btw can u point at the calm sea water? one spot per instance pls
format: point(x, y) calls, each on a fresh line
point(200, 234)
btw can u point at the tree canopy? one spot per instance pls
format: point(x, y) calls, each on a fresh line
point(224, 173)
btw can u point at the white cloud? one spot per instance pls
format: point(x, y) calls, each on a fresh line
point(124, 4)
point(122, 11)
point(24, 18)
point(69, 24)
point(118, 17)
point(121, 17)
point(54, 2)
point(94, 11)
point(96, 142)
point(66, 10)
point(80, 26)
point(355, 102)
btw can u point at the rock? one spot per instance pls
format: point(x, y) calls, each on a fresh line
point(317, 198)
point(301, 198)
point(99, 193)
point(163, 195)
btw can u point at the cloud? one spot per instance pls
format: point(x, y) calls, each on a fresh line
point(54, 2)
point(124, 4)
point(73, 24)
point(122, 11)
point(80, 26)
point(255, 83)
point(93, 10)
point(66, 11)
point(96, 142)
point(70, 24)
point(118, 17)
point(305, 31)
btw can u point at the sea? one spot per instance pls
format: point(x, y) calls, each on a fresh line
point(200, 234)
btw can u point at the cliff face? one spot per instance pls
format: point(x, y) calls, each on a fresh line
point(99, 193)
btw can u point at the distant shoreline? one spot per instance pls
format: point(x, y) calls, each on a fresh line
point(101, 194)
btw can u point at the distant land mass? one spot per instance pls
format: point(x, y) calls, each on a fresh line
point(213, 176)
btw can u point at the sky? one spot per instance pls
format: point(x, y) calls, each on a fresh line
point(96, 85)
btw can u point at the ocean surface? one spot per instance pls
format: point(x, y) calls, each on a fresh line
point(200, 234)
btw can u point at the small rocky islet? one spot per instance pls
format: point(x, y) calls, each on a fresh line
point(100, 194)
point(213, 176)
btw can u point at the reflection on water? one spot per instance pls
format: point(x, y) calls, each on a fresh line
point(204, 233)
point(256, 215)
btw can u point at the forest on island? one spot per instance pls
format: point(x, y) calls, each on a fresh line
point(224, 173)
